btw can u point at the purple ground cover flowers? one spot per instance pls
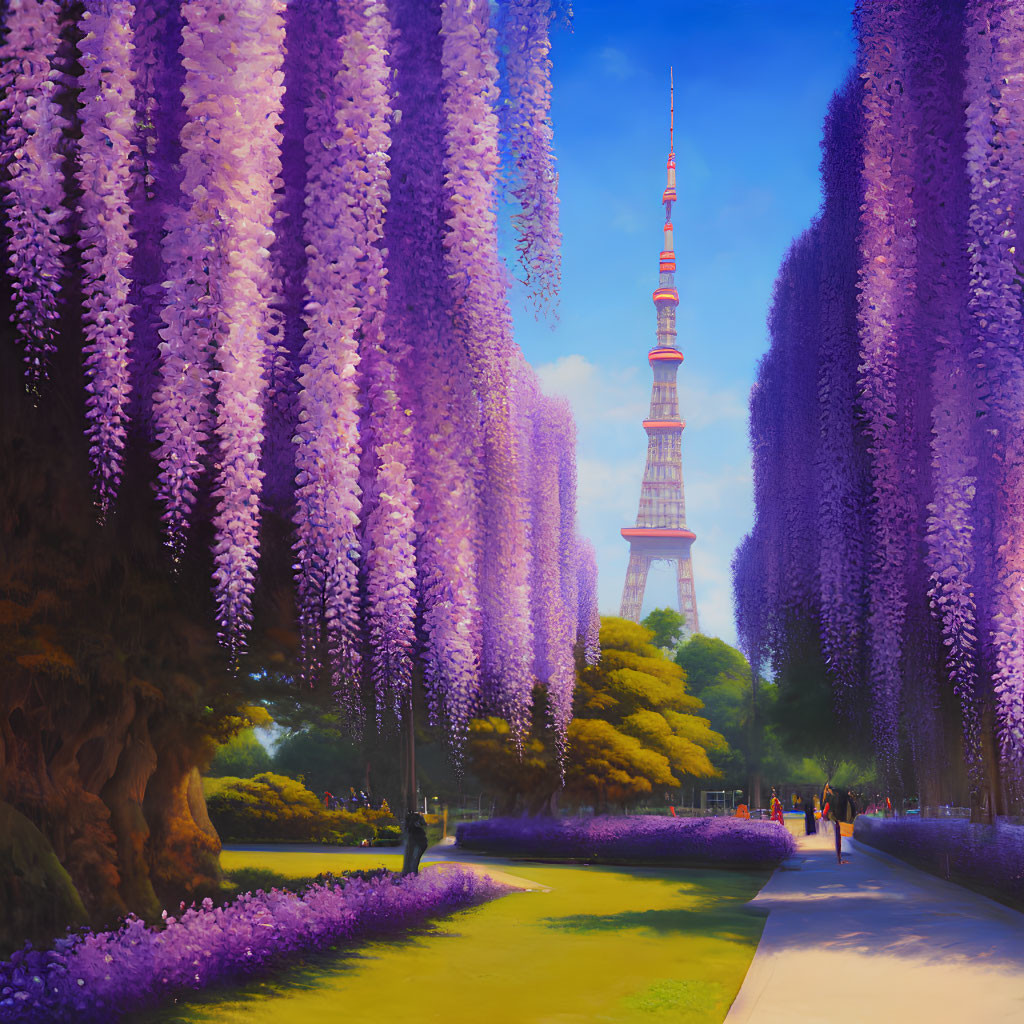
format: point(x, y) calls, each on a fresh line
point(639, 838)
point(103, 976)
point(991, 856)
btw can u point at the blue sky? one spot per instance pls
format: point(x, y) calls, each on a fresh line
point(753, 79)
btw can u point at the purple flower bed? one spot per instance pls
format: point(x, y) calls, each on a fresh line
point(726, 842)
point(103, 976)
point(986, 857)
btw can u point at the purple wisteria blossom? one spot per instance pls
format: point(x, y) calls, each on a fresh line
point(987, 855)
point(328, 444)
point(842, 501)
point(436, 385)
point(250, 42)
point(554, 626)
point(634, 839)
point(182, 401)
point(588, 616)
point(34, 180)
point(293, 296)
point(107, 976)
point(483, 330)
point(106, 151)
point(995, 96)
point(895, 377)
point(158, 78)
point(524, 42)
point(887, 285)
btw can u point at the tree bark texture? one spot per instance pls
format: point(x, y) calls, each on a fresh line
point(113, 690)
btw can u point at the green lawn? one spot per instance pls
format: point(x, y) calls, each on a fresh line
point(605, 944)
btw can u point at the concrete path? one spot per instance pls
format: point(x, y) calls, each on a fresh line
point(874, 941)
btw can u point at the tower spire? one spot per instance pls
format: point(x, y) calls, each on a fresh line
point(661, 533)
point(671, 113)
point(668, 197)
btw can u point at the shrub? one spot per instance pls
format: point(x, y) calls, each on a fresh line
point(243, 755)
point(105, 976)
point(989, 857)
point(275, 808)
point(634, 839)
point(388, 835)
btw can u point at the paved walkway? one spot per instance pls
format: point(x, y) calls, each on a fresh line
point(874, 941)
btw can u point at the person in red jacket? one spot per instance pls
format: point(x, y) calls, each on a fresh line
point(777, 809)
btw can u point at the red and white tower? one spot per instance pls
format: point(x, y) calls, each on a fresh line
point(660, 533)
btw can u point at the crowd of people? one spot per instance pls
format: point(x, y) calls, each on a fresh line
point(835, 804)
point(350, 803)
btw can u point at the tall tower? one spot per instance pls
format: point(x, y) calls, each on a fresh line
point(660, 533)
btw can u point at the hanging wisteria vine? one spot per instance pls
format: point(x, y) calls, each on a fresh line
point(526, 122)
point(906, 397)
point(33, 178)
point(105, 178)
point(482, 328)
point(292, 294)
point(158, 77)
point(995, 96)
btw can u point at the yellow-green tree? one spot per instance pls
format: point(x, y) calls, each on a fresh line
point(634, 731)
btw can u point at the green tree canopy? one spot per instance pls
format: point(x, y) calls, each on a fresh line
point(809, 723)
point(634, 732)
point(720, 676)
point(324, 758)
point(799, 738)
point(706, 660)
point(668, 627)
point(243, 756)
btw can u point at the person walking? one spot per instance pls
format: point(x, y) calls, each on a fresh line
point(808, 808)
point(777, 809)
point(852, 808)
point(833, 809)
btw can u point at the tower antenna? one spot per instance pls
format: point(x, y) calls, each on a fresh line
point(671, 111)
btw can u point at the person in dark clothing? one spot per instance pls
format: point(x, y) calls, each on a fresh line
point(852, 810)
point(833, 808)
point(808, 808)
point(415, 842)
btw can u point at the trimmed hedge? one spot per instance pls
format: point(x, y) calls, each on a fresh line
point(274, 808)
point(104, 976)
point(989, 858)
point(637, 839)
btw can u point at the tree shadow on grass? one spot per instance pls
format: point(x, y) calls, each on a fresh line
point(295, 974)
point(736, 924)
point(715, 905)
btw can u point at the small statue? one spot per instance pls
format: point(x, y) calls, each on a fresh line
point(415, 842)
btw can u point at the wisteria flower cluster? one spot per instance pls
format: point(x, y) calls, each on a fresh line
point(524, 42)
point(104, 976)
point(292, 292)
point(988, 855)
point(634, 839)
point(33, 126)
point(886, 418)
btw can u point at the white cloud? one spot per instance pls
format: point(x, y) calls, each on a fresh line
point(702, 405)
point(593, 395)
point(609, 405)
point(723, 489)
point(597, 394)
point(616, 63)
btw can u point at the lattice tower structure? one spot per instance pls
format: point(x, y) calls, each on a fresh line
point(660, 532)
